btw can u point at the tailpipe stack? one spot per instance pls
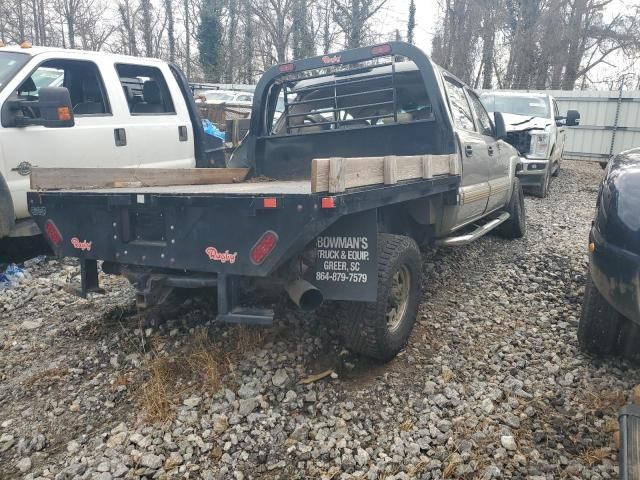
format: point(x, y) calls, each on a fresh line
point(304, 295)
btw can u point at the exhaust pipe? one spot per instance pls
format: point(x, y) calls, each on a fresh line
point(304, 295)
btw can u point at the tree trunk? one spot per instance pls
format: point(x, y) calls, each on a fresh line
point(147, 34)
point(171, 37)
point(187, 46)
point(488, 42)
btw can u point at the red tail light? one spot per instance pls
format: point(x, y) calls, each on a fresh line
point(381, 50)
point(287, 68)
point(263, 247)
point(53, 233)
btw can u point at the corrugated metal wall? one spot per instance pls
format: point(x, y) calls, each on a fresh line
point(609, 122)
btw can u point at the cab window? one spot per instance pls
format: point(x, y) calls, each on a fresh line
point(81, 78)
point(459, 106)
point(145, 89)
point(484, 122)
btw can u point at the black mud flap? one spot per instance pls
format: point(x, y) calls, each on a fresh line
point(346, 266)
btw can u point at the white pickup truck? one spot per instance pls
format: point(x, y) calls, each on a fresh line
point(127, 112)
point(537, 130)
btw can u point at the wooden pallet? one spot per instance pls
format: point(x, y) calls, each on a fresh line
point(92, 178)
point(335, 175)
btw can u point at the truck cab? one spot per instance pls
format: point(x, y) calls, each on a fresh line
point(537, 130)
point(128, 112)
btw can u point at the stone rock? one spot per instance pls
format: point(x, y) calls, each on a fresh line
point(174, 460)
point(192, 402)
point(24, 464)
point(149, 460)
point(220, 423)
point(508, 442)
point(246, 406)
point(280, 378)
point(487, 406)
point(116, 440)
point(73, 446)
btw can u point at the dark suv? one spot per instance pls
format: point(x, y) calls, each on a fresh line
point(610, 320)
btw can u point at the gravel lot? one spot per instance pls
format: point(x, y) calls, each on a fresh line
point(492, 384)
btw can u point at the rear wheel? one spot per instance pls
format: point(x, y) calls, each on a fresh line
point(516, 226)
point(600, 323)
point(381, 329)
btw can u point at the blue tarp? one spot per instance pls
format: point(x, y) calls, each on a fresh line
point(210, 129)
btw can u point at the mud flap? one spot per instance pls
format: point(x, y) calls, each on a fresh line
point(346, 266)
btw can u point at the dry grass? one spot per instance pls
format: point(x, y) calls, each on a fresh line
point(593, 456)
point(417, 469)
point(450, 470)
point(406, 425)
point(202, 366)
point(46, 376)
point(604, 401)
point(159, 394)
point(447, 374)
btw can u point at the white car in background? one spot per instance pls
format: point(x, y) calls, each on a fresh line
point(214, 97)
point(537, 130)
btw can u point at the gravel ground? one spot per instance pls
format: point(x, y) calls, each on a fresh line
point(492, 384)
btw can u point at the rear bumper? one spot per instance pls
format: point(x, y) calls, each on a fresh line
point(616, 274)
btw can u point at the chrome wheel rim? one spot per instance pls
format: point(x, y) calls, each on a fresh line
point(398, 298)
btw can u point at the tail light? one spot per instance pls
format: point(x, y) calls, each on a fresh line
point(263, 247)
point(381, 50)
point(53, 233)
point(287, 68)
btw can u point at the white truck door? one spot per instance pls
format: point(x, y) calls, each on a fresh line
point(157, 126)
point(90, 143)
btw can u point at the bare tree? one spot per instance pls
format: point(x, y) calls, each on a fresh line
point(354, 17)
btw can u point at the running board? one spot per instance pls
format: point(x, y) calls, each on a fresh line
point(477, 233)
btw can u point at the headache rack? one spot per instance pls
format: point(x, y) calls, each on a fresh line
point(338, 90)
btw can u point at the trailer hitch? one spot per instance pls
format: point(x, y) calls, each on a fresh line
point(230, 312)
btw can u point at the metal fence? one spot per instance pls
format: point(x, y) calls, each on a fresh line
point(609, 122)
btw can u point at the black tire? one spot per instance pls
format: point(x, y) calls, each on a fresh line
point(600, 323)
point(516, 226)
point(543, 190)
point(603, 165)
point(556, 172)
point(364, 326)
point(629, 340)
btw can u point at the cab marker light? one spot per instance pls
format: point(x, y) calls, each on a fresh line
point(592, 247)
point(64, 114)
point(287, 68)
point(328, 202)
point(381, 50)
point(269, 202)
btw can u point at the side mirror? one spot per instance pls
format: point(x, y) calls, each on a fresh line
point(52, 109)
point(573, 118)
point(560, 121)
point(501, 130)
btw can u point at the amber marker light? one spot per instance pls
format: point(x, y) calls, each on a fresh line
point(592, 247)
point(64, 114)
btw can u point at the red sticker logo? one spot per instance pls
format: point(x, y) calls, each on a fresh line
point(222, 257)
point(75, 241)
point(328, 60)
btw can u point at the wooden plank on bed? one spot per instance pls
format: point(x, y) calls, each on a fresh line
point(362, 171)
point(91, 178)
